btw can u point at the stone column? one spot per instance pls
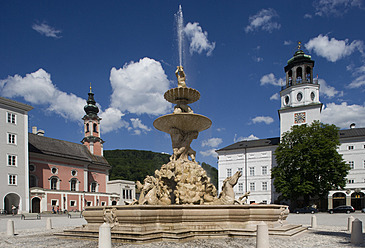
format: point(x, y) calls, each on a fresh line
point(330, 202)
point(314, 221)
point(49, 224)
point(105, 240)
point(348, 200)
point(10, 228)
point(262, 236)
point(349, 223)
point(356, 232)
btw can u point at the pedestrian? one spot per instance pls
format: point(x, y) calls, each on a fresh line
point(13, 209)
point(58, 209)
point(53, 211)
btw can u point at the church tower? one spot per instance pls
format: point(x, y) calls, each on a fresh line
point(300, 96)
point(92, 127)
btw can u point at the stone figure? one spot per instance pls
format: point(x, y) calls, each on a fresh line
point(242, 200)
point(180, 74)
point(149, 191)
point(182, 108)
point(110, 217)
point(226, 197)
point(181, 144)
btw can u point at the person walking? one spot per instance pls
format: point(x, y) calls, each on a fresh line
point(13, 209)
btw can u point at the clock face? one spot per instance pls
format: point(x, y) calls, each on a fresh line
point(299, 96)
point(312, 96)
point(299, 118)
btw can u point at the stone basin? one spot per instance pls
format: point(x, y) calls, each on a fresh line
point(184, 121)
point(176, 95)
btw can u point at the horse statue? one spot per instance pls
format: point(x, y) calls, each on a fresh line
point(149, 192)
point(226, 197)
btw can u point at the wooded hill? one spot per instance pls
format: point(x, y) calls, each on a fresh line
point(135, 165)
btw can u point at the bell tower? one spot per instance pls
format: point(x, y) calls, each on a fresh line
point(300, 95)
point(92, 126)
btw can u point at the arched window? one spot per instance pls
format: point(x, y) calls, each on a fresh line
point(94, 187)
point(308, 74)
point(299, 75)
point(54, 183)
point(32, 181)
point(95, 128)
point(87, 127)
point(73, 184)
point(290, 77)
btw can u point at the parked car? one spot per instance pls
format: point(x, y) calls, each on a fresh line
point(305, 210)
point(342, 209)
point(363, 210)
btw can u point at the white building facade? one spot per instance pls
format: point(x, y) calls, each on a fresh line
point(14, 190)
point(300, 104)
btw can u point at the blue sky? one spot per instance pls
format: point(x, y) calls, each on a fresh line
point(234, 55)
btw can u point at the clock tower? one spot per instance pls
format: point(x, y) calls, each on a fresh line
point(300, 95)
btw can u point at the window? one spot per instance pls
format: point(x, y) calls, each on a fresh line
point(11, 138)
point(72, 203)
point(240, 187)
point(73, 184)
point(240, 169)
point(73, 173)
point(351, 181)
point(103, 203)
point(93, 186)
point(95, 128)
point(87, 127)
point(89, 203)
point(31, 168)
point(364, 163)
point(351, 164)
point(12, 179)
point(252, 186)
point(12, 160)
point(350, 147)
point(54, 170)
point(54, 182)
point(54, 202)
point(229, 172)
point(264, 170)
point(11, 118)
point(32, 181)
point(264, 202)
point(252, 171)
point(264, 186)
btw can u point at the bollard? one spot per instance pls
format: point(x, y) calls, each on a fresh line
point(349, 223)
point(49, 224)
point(10, 229)
point(105, 239)
point(314, 221)
point(356, 232)
point(262, 236)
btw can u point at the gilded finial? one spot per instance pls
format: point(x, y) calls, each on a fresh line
point(90, 88)
point(299, 45)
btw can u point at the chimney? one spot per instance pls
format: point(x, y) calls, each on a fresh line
point(352, 126)
point(34, 130)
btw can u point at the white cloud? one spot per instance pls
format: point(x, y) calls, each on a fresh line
point(37, 88)
point(139, 87)
point(46, 30)
point(359, 81)
point(112, 120)
point(265, 119)
point(258, 59)
point(334, 7)
point(332, 49)
point(138, 127)
point(308, 16)
point(238, 139)
point(198, 39)
point(210, 152)
point(342, 115)
point(276, 96)
point(287, 42)
point(328, 91)
point(212, 142)
point(263, 20)
point(270, 79)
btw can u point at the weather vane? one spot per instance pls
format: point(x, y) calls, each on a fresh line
point(299, 45)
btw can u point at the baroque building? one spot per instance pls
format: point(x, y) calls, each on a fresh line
point(300, 105)
point(69, 176)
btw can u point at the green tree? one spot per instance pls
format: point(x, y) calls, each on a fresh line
point(308, 163)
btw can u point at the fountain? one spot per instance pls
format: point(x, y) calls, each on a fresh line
point(179, 202)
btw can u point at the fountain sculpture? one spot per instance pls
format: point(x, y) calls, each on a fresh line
point(179, 202)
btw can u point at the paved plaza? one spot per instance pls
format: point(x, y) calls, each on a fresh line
point(331, 232)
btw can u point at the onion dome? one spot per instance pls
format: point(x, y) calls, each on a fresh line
point(91, 108)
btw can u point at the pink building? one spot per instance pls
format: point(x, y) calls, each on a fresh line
point(69, 176)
